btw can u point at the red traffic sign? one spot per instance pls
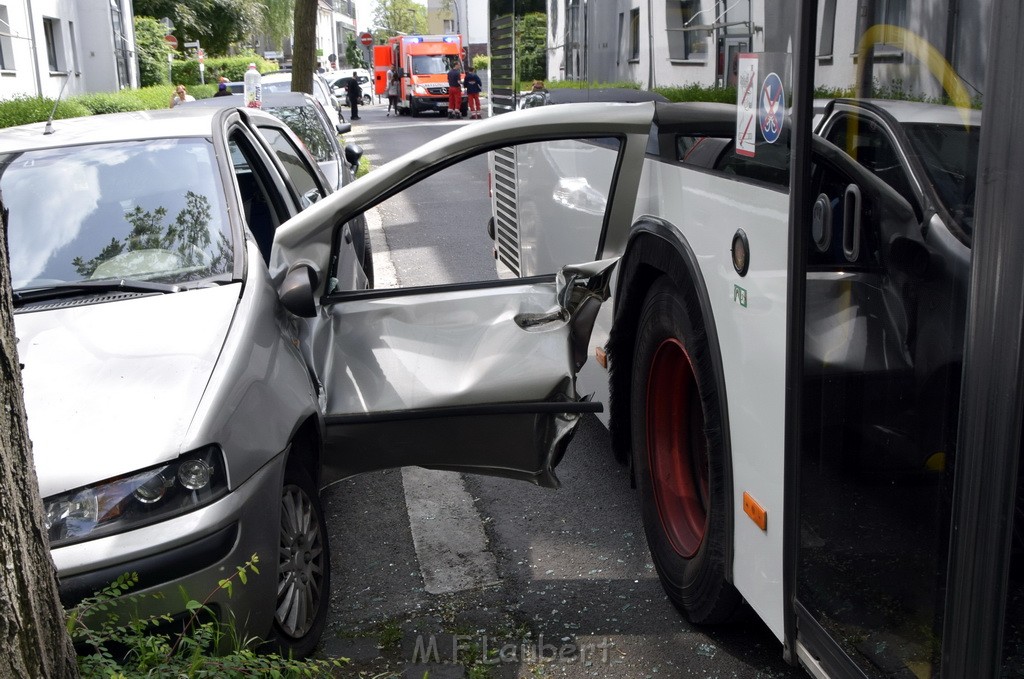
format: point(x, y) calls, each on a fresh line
point(172, 41)
point(366, 39)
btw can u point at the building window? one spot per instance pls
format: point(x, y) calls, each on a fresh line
point(828, 29)
point(634, 34)
point(54, 47)
point(684, 44)
point(120, 44)
point(6, 48)
point(890, 13)
point(449, 26)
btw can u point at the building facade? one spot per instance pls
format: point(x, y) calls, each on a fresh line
point(683, 42)
point(74, 46)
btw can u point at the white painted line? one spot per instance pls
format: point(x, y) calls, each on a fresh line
point(447, 532)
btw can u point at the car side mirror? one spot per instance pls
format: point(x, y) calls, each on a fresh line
point(353, 152)
point(343, 128)
point(296, 291)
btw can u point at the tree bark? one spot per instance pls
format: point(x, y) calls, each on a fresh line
point(33, 639)
point(304, 46)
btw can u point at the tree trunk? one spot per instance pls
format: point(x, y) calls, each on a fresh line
point(304, 46)
point(33, 639)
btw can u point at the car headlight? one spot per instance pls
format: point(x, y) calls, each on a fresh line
point(419, 89)
point(134, 500)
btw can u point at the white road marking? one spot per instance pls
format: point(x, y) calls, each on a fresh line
point(447, 532)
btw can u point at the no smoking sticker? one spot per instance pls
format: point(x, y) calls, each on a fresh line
point(746, 104)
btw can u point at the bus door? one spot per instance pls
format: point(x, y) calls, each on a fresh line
point(884, 225)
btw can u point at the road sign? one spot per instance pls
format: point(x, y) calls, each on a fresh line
point(366, 38)
point(194, 43)
point(172, 41)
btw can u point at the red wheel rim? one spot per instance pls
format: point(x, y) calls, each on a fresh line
point(677, 448)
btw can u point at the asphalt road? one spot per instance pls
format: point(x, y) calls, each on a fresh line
point(485, 577)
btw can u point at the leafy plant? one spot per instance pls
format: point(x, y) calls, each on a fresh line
point(142, 647)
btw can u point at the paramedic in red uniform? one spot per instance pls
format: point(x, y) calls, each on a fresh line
point(454, 90)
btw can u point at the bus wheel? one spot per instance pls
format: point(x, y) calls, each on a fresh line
point(678, 455)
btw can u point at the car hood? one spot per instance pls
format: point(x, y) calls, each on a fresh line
point(112, 387)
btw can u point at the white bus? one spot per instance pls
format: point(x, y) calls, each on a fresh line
point(812, 361)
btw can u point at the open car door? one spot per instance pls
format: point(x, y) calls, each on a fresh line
point(474, 376)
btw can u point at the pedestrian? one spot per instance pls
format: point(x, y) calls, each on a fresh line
point(222, 88)
point(538, 86)
point(454, 90)
point(393, 87)
point(355, 93)
point(473, 87)
point(180, 95)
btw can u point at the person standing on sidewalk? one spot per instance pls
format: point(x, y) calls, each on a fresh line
point(355, 93)
point(454, 90)
point(473, 87)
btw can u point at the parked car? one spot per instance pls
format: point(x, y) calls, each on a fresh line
point(175, 424)
point(281, 81)
point(338, 80)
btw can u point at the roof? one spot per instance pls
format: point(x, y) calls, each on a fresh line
point(179, 122)
point(911, 112)
point(107, 127)
point(269, 99)
point(567, 95)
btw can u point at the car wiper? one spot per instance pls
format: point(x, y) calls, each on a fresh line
point(72, 288)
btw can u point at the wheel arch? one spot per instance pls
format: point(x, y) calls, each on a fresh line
point(657, 248)
point(305, 450)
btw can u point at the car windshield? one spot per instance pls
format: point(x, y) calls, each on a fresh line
point(429, 65)
point(139, 210)
point(949, 154)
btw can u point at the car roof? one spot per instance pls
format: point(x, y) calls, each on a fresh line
point(911, 112)
point(572, 95)
point(160, 123)
point(269, 99)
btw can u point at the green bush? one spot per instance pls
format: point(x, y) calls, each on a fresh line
point(186, 71)
point(22, 110)
point(111, 102)
point(723, 95)
point(481, 61)
point(152, 51)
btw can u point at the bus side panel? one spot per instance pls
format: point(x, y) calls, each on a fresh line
point(750, 316)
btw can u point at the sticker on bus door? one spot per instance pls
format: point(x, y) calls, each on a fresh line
point(746, 104)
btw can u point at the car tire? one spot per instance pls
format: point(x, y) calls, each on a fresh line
point(367, 100)
point(679, 456)
point(303, 568)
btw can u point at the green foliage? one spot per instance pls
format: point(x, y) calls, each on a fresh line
point(481, 61)
point(186, 71)
point(694, 92)
point(22, 110)
point(354, 54)
point(531, 42)
point(152, 51)
point(111, 102)
point(216, 24)
point(146, 650)
point(394, 16)
point(278, 16)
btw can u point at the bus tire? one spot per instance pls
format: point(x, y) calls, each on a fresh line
point(678, 455)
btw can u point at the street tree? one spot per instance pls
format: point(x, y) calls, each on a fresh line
point(34, 641)
point(216, 24)
point(277, 19)
point(399, 16)
point(304, 46)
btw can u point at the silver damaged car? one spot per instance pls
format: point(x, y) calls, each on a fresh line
point(201, 354)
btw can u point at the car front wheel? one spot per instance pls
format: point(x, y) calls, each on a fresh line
point(303, 568)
